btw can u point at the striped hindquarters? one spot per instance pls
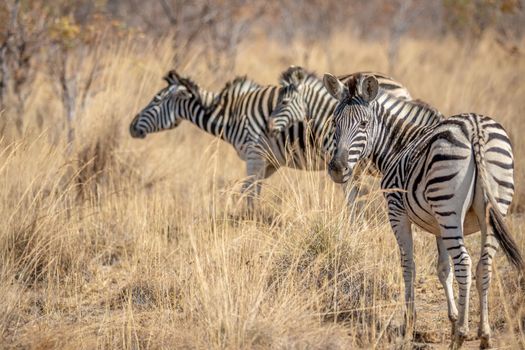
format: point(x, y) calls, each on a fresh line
point(445, 166)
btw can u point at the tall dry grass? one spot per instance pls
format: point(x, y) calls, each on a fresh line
point(138, 244)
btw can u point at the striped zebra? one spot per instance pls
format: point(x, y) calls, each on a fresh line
point(239, 115)
point(452, 179)
point(215, 113)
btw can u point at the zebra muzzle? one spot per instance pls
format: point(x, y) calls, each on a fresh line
point(136, 132)
point(337, 168)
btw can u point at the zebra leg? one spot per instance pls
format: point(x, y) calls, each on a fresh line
point(269, 171)
point(255, 170)
point(351, 192)
point(446, 278)
point(452, 236)
point(403, 232)
point(489, 246)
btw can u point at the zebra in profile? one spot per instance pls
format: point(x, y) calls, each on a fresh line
point(452, 178)
point(173, 103)
point(239, 115)
point(215, 113)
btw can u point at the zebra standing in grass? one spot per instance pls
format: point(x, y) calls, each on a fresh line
point(452, 179)
point(307, 101)
point(239, 115)
point(304, 98)
point(215, 113)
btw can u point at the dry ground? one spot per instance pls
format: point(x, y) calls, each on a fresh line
point(138, 244)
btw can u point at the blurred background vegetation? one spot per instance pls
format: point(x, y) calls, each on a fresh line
point(56, 36)
point(37, 34)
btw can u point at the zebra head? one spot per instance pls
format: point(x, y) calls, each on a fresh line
point(163, 112)
point(291, 106)
point(353, 121)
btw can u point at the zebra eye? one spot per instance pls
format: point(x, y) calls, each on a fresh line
point(363, 123)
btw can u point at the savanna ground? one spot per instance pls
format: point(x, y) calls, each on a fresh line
point(123, 243)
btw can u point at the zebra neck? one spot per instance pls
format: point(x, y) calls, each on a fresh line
point(320, 104)
point(396, 134)
point(206, 116)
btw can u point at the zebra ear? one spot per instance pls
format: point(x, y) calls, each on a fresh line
point(182, 93)
point(298, 77)
point(172, 78)
point(334, 86)
point(369, 88)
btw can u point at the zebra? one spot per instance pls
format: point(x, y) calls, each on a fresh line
point(452, 178)
point(238, 115)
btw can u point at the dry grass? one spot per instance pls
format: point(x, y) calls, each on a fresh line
point(137, 244)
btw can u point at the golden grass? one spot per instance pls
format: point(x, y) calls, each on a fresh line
point(138, 244)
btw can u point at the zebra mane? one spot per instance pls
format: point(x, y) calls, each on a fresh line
point(351, 84)
point(239, 81)
point(238, 84)
point(174, 78)
point(432, 116)
point(288, 77)
point(429, 107)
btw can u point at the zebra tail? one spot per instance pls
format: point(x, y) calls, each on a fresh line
point(502, 234)
point(493, 216)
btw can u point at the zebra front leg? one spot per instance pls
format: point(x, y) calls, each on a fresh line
point(452, 236)
point(353, 189)
point(255, 170)
point(446, 278)
point(489, 247)
point(403, 232)
point(351, 192)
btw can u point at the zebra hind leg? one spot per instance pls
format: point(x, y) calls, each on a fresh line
point(447, 278)
point(452, 236)
point(403, 232)
point(489, 246)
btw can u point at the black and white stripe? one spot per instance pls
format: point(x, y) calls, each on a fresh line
point(451, 178)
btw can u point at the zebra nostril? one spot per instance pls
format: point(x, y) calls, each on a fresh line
point(136, 133)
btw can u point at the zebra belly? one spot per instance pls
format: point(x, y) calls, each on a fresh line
point(424, 219)
point(296, 156)
point(430, 224)
point(288, 155)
